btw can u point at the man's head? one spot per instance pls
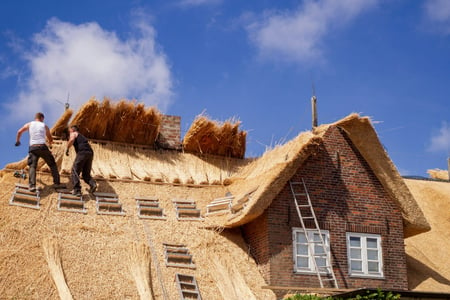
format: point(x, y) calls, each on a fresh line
point(39, 116)
point(74, 128)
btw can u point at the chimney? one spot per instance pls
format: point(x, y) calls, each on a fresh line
point(170, 132)
point(314, 111)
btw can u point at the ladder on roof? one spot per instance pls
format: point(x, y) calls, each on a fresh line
point(187, 286)
point(22, 196)
point(305, 212)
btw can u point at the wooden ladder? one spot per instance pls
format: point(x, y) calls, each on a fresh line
point(186, 210)
point(71, 203)
point(187, 286)
point(178, 256)
point(108, 204)
point(305, 212)
point(22, 196)
point(148, 208)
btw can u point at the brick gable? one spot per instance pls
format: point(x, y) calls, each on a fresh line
point(347, 197)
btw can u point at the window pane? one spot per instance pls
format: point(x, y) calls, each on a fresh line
point(355, 241)
point(302, 249)
point(373, 266)
point(355, 265)
point(301, 237)
point(355, 253)
point(302, 262)
point(372, 243)
point(321, 262)
point(319, 249)
point(372, 254)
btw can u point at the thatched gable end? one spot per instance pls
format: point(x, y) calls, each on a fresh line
point(269, 173)
point(363, 135)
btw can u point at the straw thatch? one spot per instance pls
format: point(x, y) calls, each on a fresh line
point(427, 253)
point(124, 121)
point(59, 129)
point(438, 174)
point(212, 137)
point(95, 254)
point(51, 250)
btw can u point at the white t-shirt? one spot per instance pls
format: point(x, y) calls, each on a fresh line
point(37, 133)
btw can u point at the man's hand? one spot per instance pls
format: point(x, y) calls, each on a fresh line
point(17, 144)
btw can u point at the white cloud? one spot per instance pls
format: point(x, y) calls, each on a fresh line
point(88, 61)
point(437, 14)
point(298, 35)
point(441, 141)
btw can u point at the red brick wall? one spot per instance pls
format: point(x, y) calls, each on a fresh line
point(347, 197)
point(170, 132)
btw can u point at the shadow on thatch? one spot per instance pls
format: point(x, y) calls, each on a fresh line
point(421, 273)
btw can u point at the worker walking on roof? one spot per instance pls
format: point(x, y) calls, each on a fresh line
point(83, 160)
point(39, 134)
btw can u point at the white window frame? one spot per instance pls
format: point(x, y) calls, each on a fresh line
point(364, 259)
point(311, 266)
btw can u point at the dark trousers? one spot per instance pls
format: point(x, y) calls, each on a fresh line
point(34, 153)
point(83, 165)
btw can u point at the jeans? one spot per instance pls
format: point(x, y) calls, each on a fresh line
point(83, 165)
point(34, 153)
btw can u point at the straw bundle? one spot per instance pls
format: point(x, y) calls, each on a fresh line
point(212, 137)
point(61, 124)
point(53, 258)
point(230, 282)
point(123, 122)
point(438, 174)
point(140, 269)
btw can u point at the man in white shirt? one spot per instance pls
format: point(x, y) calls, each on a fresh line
point(39, 133)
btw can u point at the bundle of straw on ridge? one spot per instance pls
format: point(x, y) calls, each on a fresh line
point(206, 136)
point(87, 119)
point(61, 124)
point(53, 258)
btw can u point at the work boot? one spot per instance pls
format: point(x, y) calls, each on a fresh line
point(93, 186)
point(58, 186)
point(76, 193)
point(32, 188)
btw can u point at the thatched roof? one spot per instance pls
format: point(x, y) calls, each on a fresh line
point(47, 253)
point(427, 253)
point(267, 175)
point(438, 174)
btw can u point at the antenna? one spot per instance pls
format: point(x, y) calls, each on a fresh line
point(314, 107)
point(67, 104)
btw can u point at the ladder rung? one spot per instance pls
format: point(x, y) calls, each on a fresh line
point(305, 218)
point(304, 205)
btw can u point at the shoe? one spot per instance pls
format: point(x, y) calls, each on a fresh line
point(58, 186)
point(32, 188)
point(76, 193)
point(93, 188)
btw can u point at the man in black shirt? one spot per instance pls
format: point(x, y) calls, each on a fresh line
point(83, 160)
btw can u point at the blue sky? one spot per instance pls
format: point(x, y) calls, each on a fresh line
point(254, 60)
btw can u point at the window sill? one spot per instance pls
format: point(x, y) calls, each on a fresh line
point(367, 276)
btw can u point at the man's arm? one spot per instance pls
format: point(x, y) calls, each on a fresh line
point(49, 136)
point(20, 131)
point(73, 136)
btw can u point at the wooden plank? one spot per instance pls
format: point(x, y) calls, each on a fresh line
point(146, 198)
point(105, 195)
